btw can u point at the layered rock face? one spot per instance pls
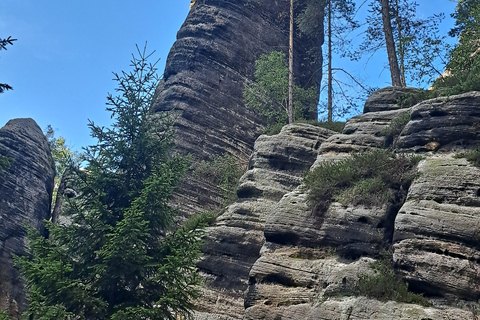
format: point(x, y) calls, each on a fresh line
point(206, 71)
point(310, 263)
point(234, 243)
point(25, 194)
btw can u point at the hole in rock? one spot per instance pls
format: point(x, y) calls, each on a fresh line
point(363, 220)
point(279, 279)
point(438, 113)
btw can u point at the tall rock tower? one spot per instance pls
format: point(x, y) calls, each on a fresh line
point(206, 72)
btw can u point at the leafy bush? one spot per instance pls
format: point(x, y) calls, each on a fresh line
point(385, 285)
point(224, 171)
point(4, 316)
point(268, 94)
point(369, 178)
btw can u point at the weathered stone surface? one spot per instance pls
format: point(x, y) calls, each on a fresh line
point(205, 74)
point(437, 239)
point(386, 99)
point(362, 132)
point(358, 308)
point(234, 243)
point(353, 231)
point(452, 122)
point(25, 195)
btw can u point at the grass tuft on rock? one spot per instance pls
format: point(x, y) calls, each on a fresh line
point(472, 156)
point(385, 285)
point(370, 178)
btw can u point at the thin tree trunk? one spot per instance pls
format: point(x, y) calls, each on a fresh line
point(401, 45)
point(290, 69)
point(330, 72)
point(390, 43)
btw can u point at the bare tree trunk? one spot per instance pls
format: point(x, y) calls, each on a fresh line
point(401, 45)
point(330, 72)
point(291, 116)
point(392, 55)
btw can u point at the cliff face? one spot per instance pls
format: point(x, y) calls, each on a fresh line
point(206, 71)
point(25, 195)
point(233, 244)
point(308, 264)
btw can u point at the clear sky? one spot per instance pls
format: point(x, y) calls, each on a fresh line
point(60, 67)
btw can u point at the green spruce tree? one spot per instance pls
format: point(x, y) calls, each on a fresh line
point(120, 257)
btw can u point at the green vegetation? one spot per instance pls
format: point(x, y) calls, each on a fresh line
point(120, 257)
point(463, 69)
point(472, 156)
point(223, 171)
point(3, 46)
point(385, 285)
point(63, 157)
point(369, 178)
point(268, 94)
point(4, 163)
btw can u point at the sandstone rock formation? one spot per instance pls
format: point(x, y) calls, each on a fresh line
point(234, 243)
point(205, 74)
point(25, 195)
point(310, 263)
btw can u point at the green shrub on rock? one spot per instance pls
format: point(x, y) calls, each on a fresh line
point(385, 285)
point(370, 178)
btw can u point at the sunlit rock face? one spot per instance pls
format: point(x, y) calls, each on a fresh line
point(233, 245)
point(297, 263)
point(25, 195)
point(206, 72)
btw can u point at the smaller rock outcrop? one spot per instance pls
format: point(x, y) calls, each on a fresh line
point(451, 122)
point(25, 195)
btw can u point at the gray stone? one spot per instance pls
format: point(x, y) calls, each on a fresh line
point(388, 98)
point(437, 239)
point(233, 244)
point(205, 75)
point(25, 194)
point(452, 122)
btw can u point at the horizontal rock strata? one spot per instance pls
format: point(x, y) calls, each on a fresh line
point(234, 243)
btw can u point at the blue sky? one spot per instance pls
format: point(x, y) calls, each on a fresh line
point(61, 66)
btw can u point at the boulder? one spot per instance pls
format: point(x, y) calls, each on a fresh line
point(452, 123)
point(25, 194)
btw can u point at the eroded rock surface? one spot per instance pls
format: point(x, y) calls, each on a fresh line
point(451, 122)
point(25, 195)
point(205, 75)
point(437, 238)
point(234, 243)
point(311, 262)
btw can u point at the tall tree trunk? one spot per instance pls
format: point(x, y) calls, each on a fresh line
point(330, 73)
point(291, 115)
point(401, 44)
point(390, 43)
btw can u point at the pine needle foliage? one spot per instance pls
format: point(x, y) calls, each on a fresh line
point(120, 257)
